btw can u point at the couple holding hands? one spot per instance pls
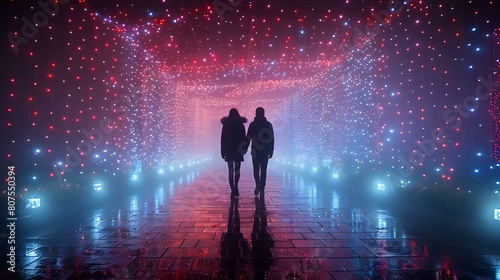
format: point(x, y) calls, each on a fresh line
point(235, 143)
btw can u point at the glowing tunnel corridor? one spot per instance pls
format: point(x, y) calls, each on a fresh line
point(104, 87)
point(384, 112)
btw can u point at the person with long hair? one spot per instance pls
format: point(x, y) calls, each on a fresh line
point(233, 145)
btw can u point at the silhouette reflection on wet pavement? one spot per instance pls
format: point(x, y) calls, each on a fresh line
point(262, 240)
point(233, 244)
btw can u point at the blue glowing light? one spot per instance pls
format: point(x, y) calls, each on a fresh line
point(97, 186)
point(33, 202)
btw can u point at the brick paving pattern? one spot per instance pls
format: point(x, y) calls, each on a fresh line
point(191, 229)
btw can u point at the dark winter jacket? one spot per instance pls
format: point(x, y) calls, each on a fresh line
point(261, 133)
point(233, 142)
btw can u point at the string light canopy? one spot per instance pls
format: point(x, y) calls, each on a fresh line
point(385, 86)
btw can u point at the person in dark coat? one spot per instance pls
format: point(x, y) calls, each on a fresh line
point(261, 133)
point(233, 146)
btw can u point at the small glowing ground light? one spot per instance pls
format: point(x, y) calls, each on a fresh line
point(496, 214)
point(381, 186)
point(97, 186)
point(335, 175)
point(33, 202)
point(135, 177)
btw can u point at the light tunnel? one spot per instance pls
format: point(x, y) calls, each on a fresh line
point(104, 87)
point(316, 119)
point(386, 123)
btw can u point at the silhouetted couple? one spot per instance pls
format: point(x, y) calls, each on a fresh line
point(234, 145)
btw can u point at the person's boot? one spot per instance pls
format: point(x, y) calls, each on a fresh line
point(236, 191)
point(257, 189)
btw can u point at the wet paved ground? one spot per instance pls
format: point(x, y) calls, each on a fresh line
point(191, 229)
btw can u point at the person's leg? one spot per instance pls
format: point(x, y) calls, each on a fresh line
point(237, 166)
point(230, 168)
point(263, 173)
point(256, 174)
